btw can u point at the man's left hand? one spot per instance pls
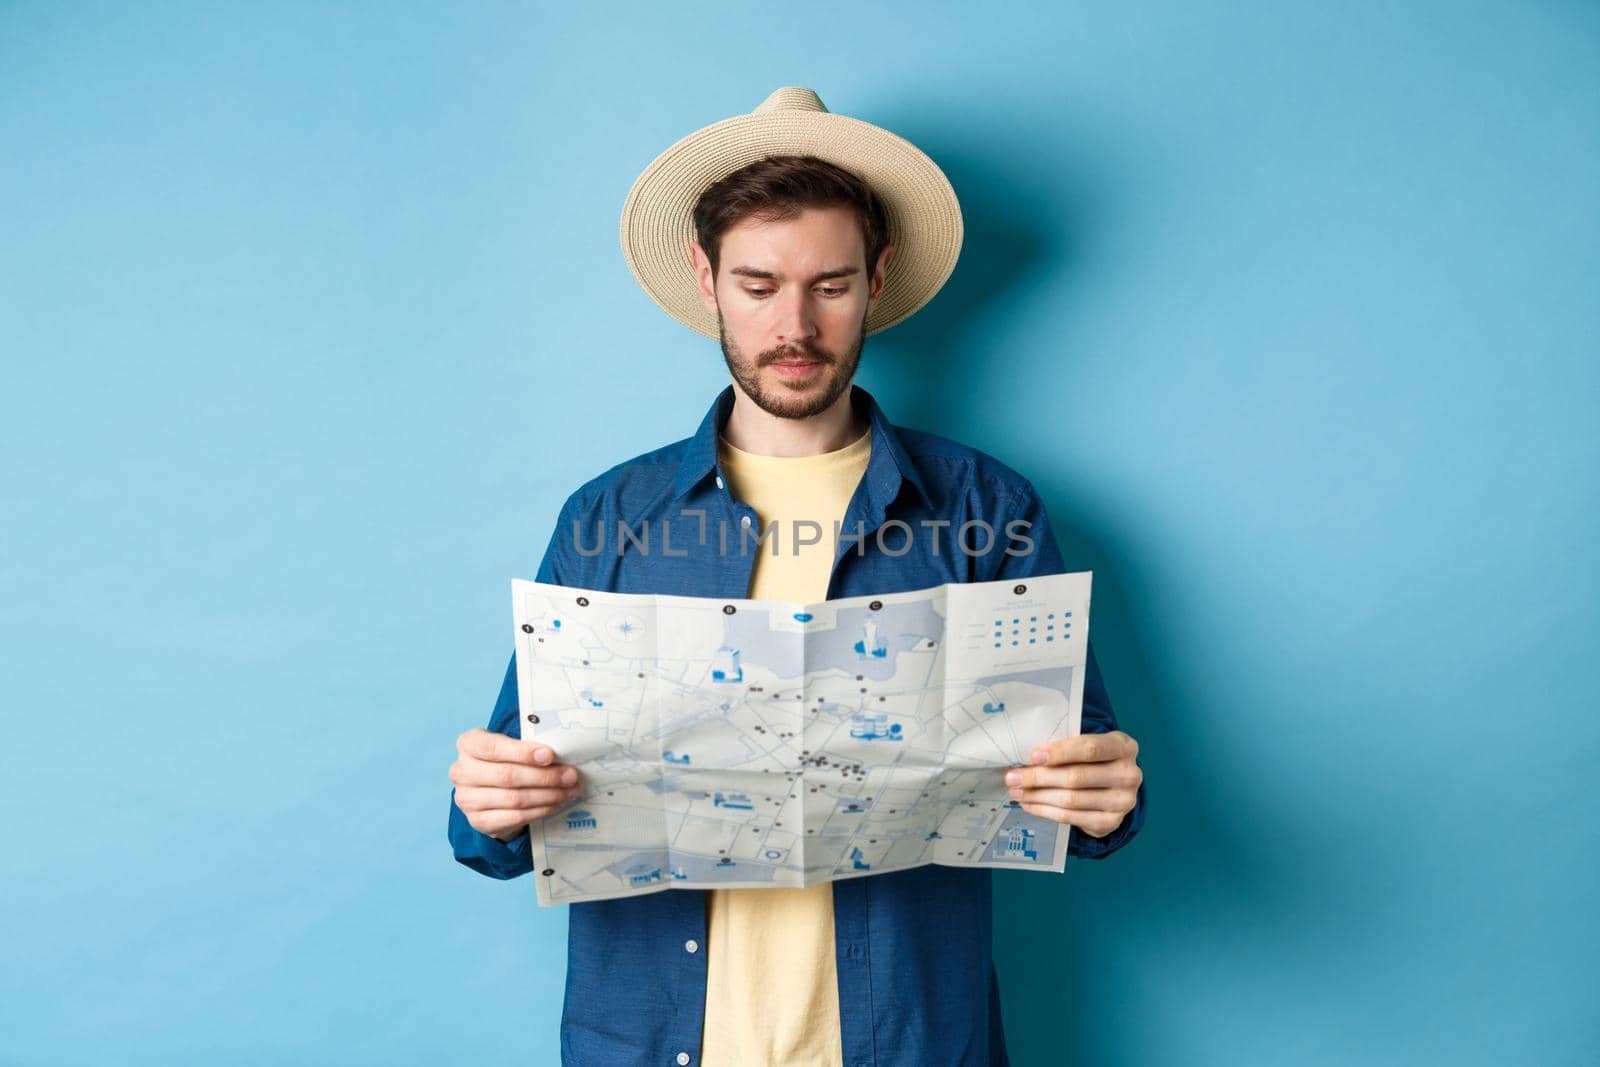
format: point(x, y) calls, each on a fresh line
point(1088, 780)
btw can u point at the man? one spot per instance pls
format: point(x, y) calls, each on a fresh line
point(790, 258)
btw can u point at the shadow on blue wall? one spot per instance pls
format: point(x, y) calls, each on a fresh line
point(1205, 857)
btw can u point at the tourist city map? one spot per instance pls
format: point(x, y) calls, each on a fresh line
point(757, 743)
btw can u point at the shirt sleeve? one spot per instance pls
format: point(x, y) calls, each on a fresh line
point(473, 848)
point(1044, 557)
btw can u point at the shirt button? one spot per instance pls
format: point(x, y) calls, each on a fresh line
point(683, 1057)
point(719, 481)
point(745, 521)
point(691, 945)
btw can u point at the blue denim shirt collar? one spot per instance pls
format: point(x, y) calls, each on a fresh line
point(887, 466)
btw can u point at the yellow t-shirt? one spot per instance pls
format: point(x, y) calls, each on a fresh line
point(772, 991)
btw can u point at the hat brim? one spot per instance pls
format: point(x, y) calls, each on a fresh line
point(924, 215)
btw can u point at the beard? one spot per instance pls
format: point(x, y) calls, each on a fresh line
point(793, 399)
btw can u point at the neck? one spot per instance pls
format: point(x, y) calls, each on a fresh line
point(751, 429)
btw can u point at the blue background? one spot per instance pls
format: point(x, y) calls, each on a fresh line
point(311, 315)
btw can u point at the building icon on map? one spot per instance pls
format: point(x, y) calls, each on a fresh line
point(643, 874)
point(725, 665)
point(1019, 842)
point(871, 644)
point(874, 728)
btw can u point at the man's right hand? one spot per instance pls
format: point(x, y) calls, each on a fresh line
point(503, 784)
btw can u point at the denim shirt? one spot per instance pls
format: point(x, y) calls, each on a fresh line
point(917, 983)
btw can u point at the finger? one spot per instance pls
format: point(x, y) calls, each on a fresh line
point(1118, 775)
point(1085, 748)
point(499, 822)
point(488, 745)
point(1093, 823)
point(1113, 800)
point(465, 772)
point(489, 798)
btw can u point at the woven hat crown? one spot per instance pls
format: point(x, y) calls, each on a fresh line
point(793, 98)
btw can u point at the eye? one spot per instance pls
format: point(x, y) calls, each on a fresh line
point(828, 291)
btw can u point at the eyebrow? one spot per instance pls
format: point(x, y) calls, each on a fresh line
point(836, 272)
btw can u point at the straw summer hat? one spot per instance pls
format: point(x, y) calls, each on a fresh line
point(923, 213)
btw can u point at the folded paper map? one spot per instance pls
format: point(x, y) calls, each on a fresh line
point(747, 743)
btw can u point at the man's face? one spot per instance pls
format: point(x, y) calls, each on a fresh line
point(791, 300)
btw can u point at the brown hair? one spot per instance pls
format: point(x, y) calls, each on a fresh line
point(775, 188)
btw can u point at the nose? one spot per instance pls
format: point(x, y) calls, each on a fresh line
point(795, 325)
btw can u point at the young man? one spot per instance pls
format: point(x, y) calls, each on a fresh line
point(818, 230)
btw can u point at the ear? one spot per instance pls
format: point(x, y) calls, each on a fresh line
point(877, 275)
point(702, 276)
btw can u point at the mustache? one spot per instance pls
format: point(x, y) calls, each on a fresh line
point(786, 354)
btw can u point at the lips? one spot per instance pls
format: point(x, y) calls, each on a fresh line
point(796, 370)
